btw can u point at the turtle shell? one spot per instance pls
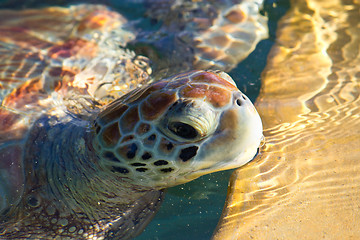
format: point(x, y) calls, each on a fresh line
point(55, 60)
point(213, 34)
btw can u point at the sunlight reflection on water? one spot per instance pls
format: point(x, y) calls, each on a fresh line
point(305, 183)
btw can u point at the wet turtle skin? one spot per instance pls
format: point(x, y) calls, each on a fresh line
point(87, 141)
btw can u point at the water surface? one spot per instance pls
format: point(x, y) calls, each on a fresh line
point(305, 184)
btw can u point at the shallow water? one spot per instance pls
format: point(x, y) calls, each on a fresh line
point(305, 183)
point(192, 211)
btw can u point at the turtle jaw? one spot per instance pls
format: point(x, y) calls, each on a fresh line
point(176, 130)
point(235, 142)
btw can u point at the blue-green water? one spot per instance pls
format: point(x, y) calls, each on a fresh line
point(191, 211)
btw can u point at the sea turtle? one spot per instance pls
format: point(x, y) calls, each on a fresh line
point(87, 142)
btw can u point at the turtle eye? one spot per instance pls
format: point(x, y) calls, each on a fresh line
point(183, 130)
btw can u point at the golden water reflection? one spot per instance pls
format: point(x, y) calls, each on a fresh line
point(305, 184)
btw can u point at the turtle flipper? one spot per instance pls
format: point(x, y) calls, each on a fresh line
point(202, 34)
point(138, 216)
point(58, 53)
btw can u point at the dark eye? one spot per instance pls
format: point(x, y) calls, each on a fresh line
point(183, 130)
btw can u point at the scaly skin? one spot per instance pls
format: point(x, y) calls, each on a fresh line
point(100, 177)
point(208, 34)
point(72, 168)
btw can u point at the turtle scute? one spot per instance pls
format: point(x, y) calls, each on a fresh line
point(185, 122)
point(88, 142)
point(80, 171)
point(215, 34)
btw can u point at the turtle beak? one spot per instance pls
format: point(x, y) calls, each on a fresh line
point(235, 141)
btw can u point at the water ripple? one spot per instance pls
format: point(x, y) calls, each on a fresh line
point(305, 181)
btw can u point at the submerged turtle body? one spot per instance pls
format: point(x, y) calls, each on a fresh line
point(78, 158)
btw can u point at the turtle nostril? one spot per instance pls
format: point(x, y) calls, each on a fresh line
point(238, 102)
point(241, 99)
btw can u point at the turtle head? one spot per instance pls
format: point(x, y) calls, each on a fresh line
point(175, 130)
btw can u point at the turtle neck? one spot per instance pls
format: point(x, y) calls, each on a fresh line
point(63, 165)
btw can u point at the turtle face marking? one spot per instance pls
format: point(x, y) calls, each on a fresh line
point(111, 134)
point(178, 129)
point(129, 120)
point(166, 146)
point(187, 153)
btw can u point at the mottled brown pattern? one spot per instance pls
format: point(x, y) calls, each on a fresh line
point(235, 16)
point(22, 37)
point(73, 47)
point(127, 138)
point(55, 72)
point(178, 83)
point(18, 67)
point(216, 96)
point(93, 22)
point(30, 92)
point(166, 146)
point(67, 76)
point(111, 134)
point(58, 67)
point(141, 94)
point(209, 52)
point(143, 128)
point(100, 19)
point(34, 42)
point(194, 91)
point(156, 104)
point(211, 78)
point(112, 112)
point(127, 152)
point(38, 20)
point(129, 120)
point(222, 41)
point(219, 97)
point(8, 119)
point(137, 95)
point(149, 141)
